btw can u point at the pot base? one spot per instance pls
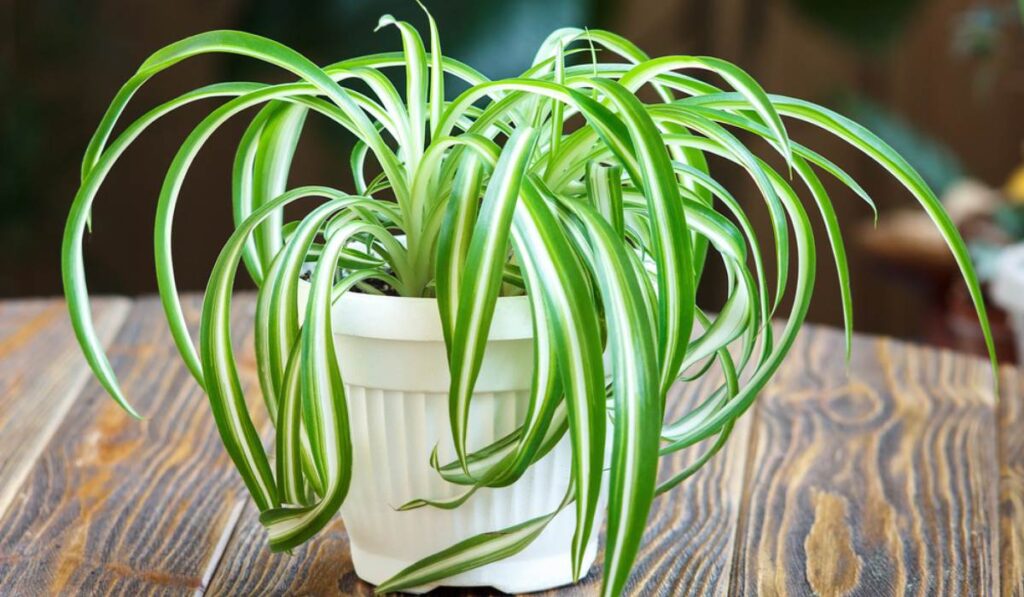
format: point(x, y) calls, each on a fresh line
point(508, 576)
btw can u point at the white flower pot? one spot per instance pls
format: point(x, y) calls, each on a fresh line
point(393, 360)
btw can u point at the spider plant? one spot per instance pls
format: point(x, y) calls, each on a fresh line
point(561, 183)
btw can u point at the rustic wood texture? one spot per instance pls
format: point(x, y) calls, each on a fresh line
point(879, 481)
point(41, 372)
point(1010, 417)
point(114, 505)
point(899, 474)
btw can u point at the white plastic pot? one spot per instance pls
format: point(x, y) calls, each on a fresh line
point(1008, 292)
point(392, 356)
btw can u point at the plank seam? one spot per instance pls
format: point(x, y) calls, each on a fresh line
point(220, 548)
point(739, 531)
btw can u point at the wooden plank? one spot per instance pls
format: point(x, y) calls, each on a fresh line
point(881, 482)
point(1011, 482)
point(125, 506)
point(865, 484)
point(687, 550)
point(42, 371)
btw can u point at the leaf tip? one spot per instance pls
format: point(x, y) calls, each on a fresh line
point(577, 565)
point(424, 8)
point(410, 505)
point(115, 392)
point(384, 21)
point(435, 461)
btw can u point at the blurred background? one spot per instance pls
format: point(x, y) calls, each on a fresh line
point(940, 80)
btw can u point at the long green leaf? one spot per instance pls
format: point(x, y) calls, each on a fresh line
point(482, 279)
point(635, 393)
point(545, 251)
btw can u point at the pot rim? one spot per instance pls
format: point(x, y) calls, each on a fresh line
point(415, 319)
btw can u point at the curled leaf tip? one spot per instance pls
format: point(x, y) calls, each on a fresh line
point(384, 21)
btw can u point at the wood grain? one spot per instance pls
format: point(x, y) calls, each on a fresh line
point(1011, 482)
point(118, 506)
point(687, 549)
point(41, 373)
point(879, 482)
point(900, 476)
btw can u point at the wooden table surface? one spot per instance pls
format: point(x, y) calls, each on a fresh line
point(902, 475)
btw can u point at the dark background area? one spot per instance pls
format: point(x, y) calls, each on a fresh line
point(943, 80)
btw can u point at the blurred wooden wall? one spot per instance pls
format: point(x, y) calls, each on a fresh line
point(918, 77)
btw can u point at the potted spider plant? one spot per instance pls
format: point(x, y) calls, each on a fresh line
point(468, 353)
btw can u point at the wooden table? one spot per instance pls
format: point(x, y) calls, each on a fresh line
point(903, 475)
